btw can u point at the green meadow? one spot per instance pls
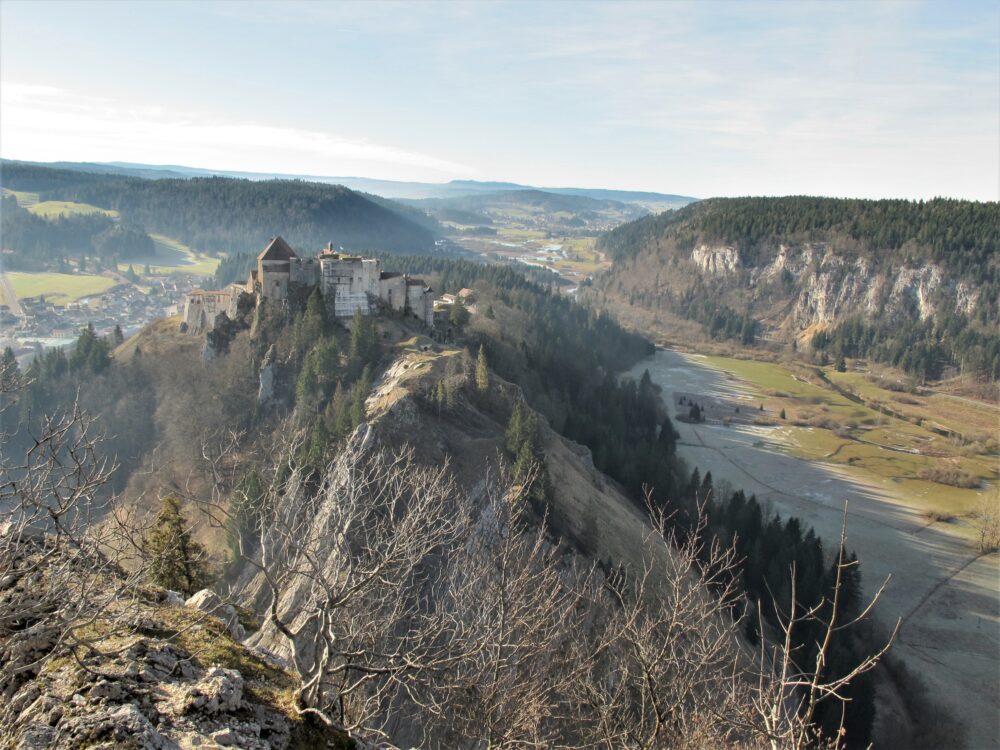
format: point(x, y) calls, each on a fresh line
point(823, 425)
point(55, 209)
point(58, 288)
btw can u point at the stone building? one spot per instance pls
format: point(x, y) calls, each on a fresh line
point(348, 283)
point(202, 305)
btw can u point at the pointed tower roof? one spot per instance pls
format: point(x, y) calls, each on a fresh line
point(277, 249)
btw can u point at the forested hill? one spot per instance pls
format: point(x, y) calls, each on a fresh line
point(920, 280)
point(964, 236)
point(221, 214)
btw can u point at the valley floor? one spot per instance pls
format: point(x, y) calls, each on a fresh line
point(946, 594)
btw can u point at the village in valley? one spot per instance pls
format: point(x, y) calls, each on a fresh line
point(31, 324)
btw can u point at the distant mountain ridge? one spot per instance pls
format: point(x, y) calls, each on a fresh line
point(385, 188)
point(219, 214)
point(553, 211)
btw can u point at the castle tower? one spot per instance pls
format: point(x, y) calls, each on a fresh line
point(273, 270)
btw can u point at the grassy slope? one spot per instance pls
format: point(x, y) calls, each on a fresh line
point(58, 288)
point(173, 256)
point(23, 199)
point(888, 450)
point(53, 209)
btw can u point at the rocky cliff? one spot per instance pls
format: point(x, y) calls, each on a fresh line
point(798, 264)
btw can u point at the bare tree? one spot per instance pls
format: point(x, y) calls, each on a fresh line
point(63, 538)
point(675, 666)
point(522, 630)
point(988, 522)
point(418, 615)
point(348, 568)
point(789, 692)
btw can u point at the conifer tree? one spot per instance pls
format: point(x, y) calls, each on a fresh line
point(514, 427)
point(482, 371)
point(119, 337)
point(343, 422)
point(458, 316)
point(440, 396)
point(177, 562)
point(359, 394)
point(10, 373)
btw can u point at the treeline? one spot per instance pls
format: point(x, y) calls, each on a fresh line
point(38, 243)
point(921, 348)
point(220, 214)
point(234, 267)
point(717, 319)
point(962, 236)
point(771, 551)
point(453, 274)
point(629, 239)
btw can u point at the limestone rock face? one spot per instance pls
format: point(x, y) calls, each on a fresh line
point(716, 261)
point(792, 286)
point(265, 391)
point(162, 675)
point(221, 690)
point(152, 698)
point(209, 602)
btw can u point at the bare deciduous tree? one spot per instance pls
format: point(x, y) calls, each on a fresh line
point(789, 691)
point(988, 523)
point(349, 570)
point(674, 675)
point(523, 634)
point(63, 538)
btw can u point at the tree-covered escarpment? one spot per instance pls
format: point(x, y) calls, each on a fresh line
point(798, 264)
point(220, 214)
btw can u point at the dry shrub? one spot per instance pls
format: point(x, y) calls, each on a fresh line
point(950, 476)
point(940, 516)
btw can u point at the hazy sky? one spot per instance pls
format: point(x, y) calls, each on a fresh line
point(859, 99)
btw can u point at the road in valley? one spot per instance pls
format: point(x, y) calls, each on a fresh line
point(8, 297)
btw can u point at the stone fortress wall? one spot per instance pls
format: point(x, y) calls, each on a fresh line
point(349, 283)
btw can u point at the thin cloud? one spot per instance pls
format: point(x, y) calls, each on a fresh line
point(46, 122)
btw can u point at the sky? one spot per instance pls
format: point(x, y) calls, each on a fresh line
point(856, 99)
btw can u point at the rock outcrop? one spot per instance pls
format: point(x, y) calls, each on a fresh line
point(163, 676)
point(716, 261)
point(792, 288)
point(209, 602)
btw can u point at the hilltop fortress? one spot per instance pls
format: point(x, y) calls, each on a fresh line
point(349, 283)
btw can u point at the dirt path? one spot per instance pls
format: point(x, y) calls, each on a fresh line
point(947, 596)
point(8, 296)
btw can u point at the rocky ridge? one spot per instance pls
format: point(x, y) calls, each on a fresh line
point(176, 679)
